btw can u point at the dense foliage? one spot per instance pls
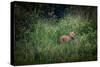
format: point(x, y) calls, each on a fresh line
point(39, 26)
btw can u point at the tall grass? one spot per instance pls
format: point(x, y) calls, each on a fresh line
point(40, 43)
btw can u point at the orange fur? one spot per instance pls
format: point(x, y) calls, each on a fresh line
point(66, 38)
